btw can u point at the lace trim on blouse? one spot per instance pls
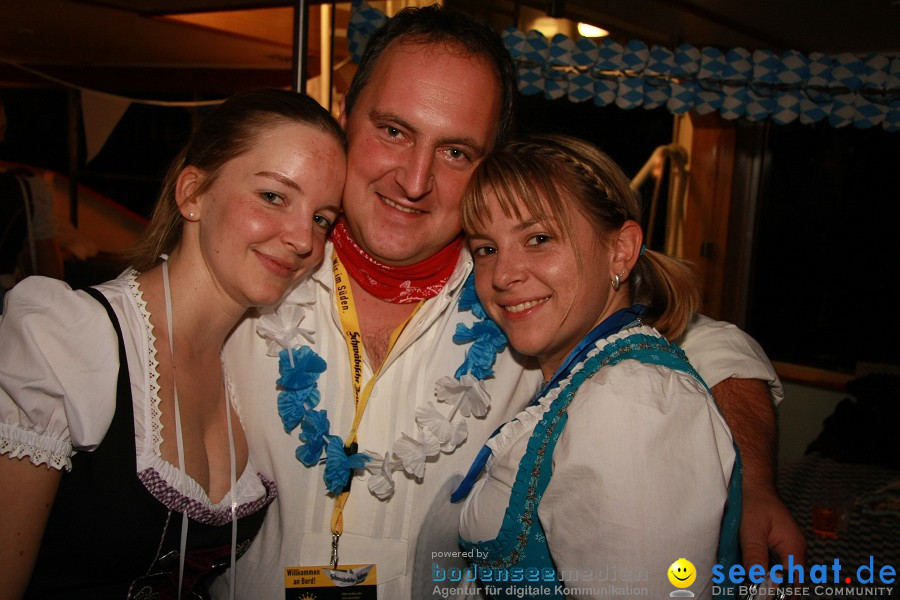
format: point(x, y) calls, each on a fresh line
point(152, 365)
point(18, 443)
point(530, 416)
point(526, 420)
point(216, 514)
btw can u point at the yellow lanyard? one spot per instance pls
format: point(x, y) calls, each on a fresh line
point(353, 337)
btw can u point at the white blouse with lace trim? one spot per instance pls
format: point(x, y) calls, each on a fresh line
point(614, 417)
point(58, 381)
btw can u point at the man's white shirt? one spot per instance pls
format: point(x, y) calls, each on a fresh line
point(417, 527)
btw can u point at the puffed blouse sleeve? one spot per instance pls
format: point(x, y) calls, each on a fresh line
point(640, 476)
point(58, 369)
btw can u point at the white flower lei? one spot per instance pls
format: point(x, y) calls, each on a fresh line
point(300, 367)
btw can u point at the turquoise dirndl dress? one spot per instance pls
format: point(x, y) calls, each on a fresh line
point(517, 563)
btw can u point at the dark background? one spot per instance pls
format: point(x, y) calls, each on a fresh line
point(822, 289)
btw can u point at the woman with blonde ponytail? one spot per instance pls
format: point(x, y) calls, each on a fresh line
point(622, 463)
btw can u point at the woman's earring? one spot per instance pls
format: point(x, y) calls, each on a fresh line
point(191, 216)
point(616, 281)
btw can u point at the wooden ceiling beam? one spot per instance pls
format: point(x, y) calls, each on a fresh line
point(148, 82)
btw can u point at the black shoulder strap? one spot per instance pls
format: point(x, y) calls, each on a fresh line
point(120, 428)
point(112, 315)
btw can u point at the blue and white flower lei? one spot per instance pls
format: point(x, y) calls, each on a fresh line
point(300, 368)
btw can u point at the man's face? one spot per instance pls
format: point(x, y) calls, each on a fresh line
point(419, 127)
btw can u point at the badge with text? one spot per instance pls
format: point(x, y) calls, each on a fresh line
point(349, 582)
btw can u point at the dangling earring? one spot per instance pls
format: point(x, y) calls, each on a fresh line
point(616, 281)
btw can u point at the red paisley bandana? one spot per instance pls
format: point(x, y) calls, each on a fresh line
point(398, 285)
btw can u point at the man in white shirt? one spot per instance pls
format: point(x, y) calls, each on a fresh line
point(407, 358)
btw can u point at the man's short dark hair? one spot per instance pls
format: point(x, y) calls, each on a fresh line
point(436, 25)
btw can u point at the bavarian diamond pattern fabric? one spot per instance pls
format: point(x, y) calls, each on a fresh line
point(561, 48)
point(531, 79)
point(844, 89)
point(794, 68)
point(609, 56)
point(581, 87)
point(585, 54)
point(686, 61)
point(514, 40)
point(820, 67)
point(681, 98)
point(707, 100)
point(738, 65)
point(605, 91)
point(537, 48)
point(766, 67)
point(364, 20)
point(661, 61)
point(842, 110)
point(848, 71)
point(787, 107)
point(630, 93)
point(556, 84)
point(734, 101)
point(760, 103)
point(814, 106)
point(656, 92)
point(712, 64)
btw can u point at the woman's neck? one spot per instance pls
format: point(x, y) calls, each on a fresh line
point(202, 319)
point(610, 322)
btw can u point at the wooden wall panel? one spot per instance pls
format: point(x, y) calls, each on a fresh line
point(705, 238)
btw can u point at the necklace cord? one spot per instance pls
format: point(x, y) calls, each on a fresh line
point(179, 442)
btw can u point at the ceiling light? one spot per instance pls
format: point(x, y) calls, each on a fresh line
point(590, 31)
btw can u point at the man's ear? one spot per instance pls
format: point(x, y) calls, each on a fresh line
point(627, 248)
point(187, 195)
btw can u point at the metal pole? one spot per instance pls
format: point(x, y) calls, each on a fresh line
point(301, 25)
point(327, 48)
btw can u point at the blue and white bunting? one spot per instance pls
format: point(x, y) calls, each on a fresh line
point(844, 89)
